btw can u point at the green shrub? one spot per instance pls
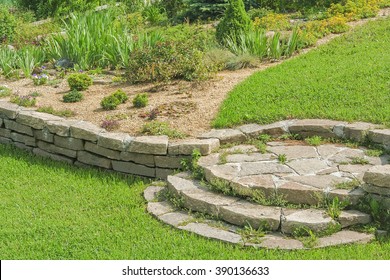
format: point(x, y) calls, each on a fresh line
point(79, 81)
point(140, 100)
point(110, 102)
point(166, 61)
point(234, 22)
point(62, 113)
point(160, 128)
point(121, 96)
point(7, 25)
point(73, 96)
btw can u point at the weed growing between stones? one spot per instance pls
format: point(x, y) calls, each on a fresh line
point(373, 152)
point(335, 206)
point(282, 158)
point(359, 160)
point(348, 185)
point(379, 213)
point(223, 157)
point(308, 238)
point(251, 235)
point(314, 140)
point(176, 200)
point(274, 199)
point(192, 165)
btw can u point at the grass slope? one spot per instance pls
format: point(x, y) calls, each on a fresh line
point(49, 210)
point(347, 79)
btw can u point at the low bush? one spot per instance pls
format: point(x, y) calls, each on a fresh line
point(5, 91)
point(7, 25)
point(73, 96)
point(39, 80)
point(62, 113)
point(110, 125)
point(273, 21)
point(166, 61)
point(121, 96)
point(79, 81)
point(161, 128)
point(140, 100)
point(110, 102)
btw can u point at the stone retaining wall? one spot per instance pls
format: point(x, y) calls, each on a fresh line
point(82, 143)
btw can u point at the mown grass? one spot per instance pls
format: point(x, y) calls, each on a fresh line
point(347, 79)
point(49, 210)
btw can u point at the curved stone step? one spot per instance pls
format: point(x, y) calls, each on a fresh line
point(242, 213)
point(166, 213)
point(307, 175)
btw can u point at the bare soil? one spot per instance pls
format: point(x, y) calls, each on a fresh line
point(188, 107)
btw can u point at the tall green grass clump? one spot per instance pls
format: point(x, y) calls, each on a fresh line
point(97, 39)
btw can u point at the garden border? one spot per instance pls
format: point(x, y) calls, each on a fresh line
point(84, 144)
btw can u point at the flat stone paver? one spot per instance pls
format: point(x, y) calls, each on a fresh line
point(316, 220)
point(318, 181)
point(256, 168)
point(307, 166)
point(344, 237)
point(212, 232)
point(294, 152)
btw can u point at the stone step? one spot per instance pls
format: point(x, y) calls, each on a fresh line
point(240, 212)
point(179, 219)
point(308, 176)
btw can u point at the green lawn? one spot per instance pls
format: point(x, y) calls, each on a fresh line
point(49, 210)
point(347, 79)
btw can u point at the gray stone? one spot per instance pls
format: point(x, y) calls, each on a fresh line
point(143, 159)
point(8, 110)
point(55, 157)
point(21, 128)
point(86, 131)
point(314, 219)
point(226, 172)
point(93, 148)
point(94, 160)
point(237, 158)
point(133, 168)
point(358, 131)
point(318, 181)
point(6, 133)
point(278, 241)
point(338, 130)
point(212, 232)
point(243, 213)
point(114, 141)
point(225, 135)
point(278, 128)
point(69, 143)
point(307, 166)
point(163, 173)
point(352, 196)
point(4, 140)
point(328, 171)
point(353, 217)
point(23, 146)
point(250, 184)
point(344, 237)
point(380, 136)
point(327, 151)
point(378, 175)
point(155, 145)
point(354, 168)
point(56, 150)
point(175, 218)
point(315, 127)
point(347, 155)
point(209, 160)
point(61, 128)
point(44, 135)
point(186, 147)
point(27, 140)
point(251, 130)
point(299, 194)
point(159, 208)
point(35, 119)
point(177, 184)
point(295, 152)
point(168, 161)
point(377, 190)
point(239, 149)
point(204, 201)
point(257, 168)
point(151, 192)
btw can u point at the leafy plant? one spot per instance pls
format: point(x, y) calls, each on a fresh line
point(121, 96)
point(348, 185)
point(110, 125)
point(192, 165)
point(140, 100)
point(222, 186)
point(373, 152)
point(79, 81)
point(160, 128)
point(5, 91)
point(7, 25)
point(359, 160)
point(40, 79)
point(62, 113)
point(314, 140)
point(24, 100)
point(335, 206)
point(110, 102)
point(251, 235)
point(282, 158)
point(73, 96)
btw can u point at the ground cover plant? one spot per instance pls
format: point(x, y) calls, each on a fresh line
point(346, 79)
point(64, 212)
